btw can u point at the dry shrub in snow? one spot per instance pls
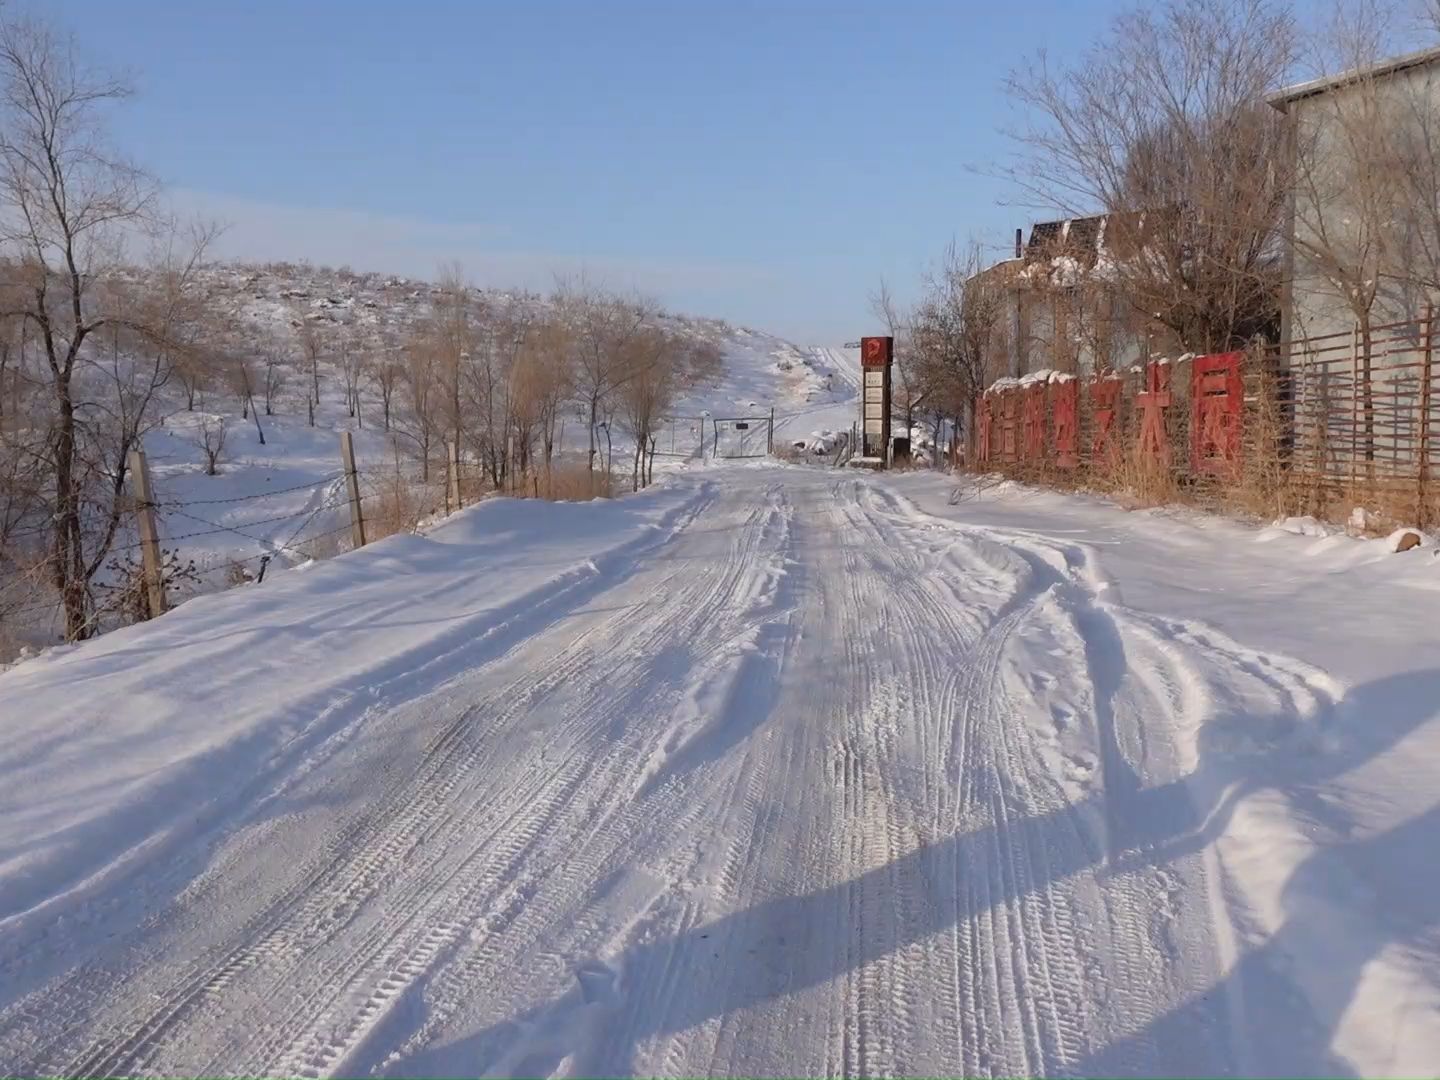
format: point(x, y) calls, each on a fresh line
point(572, 482)
point(393, 503)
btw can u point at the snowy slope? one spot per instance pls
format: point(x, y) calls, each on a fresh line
point(766, 771)
point(813, 390)
point(283, 498)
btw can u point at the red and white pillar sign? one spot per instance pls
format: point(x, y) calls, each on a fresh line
point(876, 356)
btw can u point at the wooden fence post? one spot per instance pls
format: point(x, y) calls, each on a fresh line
point(352, 486)
point(1426, 373)
point(149, 535)
point(452, 476)
point(770, 435)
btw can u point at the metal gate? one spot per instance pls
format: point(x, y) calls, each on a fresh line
point(743, 436)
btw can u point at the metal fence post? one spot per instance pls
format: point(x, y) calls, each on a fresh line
point(352, 486)
point(1354, 405)
point(1426, 374)
point(149, 535)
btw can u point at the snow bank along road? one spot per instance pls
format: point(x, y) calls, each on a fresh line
point(765, 772)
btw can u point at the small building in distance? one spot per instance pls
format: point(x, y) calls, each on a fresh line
point(1063, 308)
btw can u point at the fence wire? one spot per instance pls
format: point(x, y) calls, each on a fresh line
point(34, 576)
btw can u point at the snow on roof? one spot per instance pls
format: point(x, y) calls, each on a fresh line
point(1043, 375)
point(1282, 98)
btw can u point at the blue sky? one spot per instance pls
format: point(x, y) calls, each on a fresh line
point(764, 162)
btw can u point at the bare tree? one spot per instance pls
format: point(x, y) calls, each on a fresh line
point(603, 326)
point(549, 378)
point(422, 393)
point(274, 364)
point(1163, 126)
point(512, 348)
point(959, 333)
point(656, 370)
point(351, 360)
point(386, 369)
point(314, 345)
point(242, 372)
point(210, 438)
point(448, 344)
point(67, 201)
point(193, 376)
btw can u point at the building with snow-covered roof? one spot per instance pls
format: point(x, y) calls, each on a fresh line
point(1063, 309)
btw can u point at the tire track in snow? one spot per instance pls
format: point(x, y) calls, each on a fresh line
point(1136, 937)
point(551, 872)
point(1034, 987)
point(680, 618)
point(669, 806)
point(440, 776)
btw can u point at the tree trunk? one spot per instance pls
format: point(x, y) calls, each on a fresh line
point(68, 570)
point(594, 408)
point(258, 429)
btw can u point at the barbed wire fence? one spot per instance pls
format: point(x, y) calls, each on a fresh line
point(382, 502)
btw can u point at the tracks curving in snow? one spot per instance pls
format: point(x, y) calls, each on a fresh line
point(811, 782)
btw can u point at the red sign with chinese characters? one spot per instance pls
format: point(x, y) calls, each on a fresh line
point(1217, 404)
point(876, 352)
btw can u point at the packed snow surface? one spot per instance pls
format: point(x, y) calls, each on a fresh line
point(765, 771)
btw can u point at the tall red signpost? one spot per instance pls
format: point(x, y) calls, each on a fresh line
point(876, 356)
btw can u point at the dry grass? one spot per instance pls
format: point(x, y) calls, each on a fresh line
point(570, 482)
point(793, 455)
point(394, 502)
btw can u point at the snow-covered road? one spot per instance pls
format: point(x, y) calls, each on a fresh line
point(795, 780)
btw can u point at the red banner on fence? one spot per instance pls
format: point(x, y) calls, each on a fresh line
point(1039, 422)
point(1105, 399)
point(1153, 402)
point(1217, 403)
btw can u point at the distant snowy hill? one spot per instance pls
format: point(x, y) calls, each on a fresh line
point(283, 501)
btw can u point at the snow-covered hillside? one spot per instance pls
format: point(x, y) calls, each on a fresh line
point(281, 501)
